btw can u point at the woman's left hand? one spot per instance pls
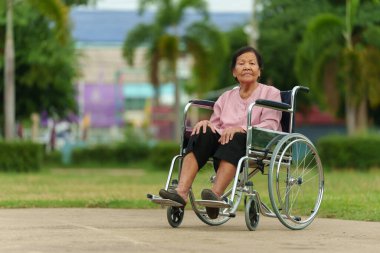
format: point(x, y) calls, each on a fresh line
point(229, 133)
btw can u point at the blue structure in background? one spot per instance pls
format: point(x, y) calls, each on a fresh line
point(111, 27)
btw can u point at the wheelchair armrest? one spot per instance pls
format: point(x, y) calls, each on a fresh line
point(304, 89)
point(273, 104)
point(279, 106)
point(205, 104)
point(208, 104)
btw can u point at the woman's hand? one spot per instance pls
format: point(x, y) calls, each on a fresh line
point(229, 133)
point(202, 125)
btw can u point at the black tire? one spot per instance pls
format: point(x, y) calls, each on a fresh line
point(252, 214)
point(175, 215)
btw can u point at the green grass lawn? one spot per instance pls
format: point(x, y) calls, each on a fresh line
point(348, 194)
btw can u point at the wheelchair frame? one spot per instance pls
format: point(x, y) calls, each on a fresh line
point(293, 163)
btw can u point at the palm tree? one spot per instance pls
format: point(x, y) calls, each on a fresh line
point(56, 11)
point(209, 52)
point(148, 34)
point(165, 44)
point(338, 50)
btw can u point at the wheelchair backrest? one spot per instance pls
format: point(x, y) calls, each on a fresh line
point(289, 97)
point(286, 97)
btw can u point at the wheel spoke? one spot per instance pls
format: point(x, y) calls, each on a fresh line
point(310, 179)
point(293, 201)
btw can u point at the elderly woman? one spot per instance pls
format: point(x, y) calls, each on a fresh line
point(223, 137)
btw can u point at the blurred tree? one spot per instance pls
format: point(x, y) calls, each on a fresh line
point(165, 44)
point(55, 10)
point(281, 25)
point(209, 52)
point(146, 35)
point(236, 38)
point(34, 68)
point(347, 56)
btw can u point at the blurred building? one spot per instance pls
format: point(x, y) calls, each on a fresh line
point(112, 93)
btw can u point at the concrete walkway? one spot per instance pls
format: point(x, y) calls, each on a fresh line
point(121, 230)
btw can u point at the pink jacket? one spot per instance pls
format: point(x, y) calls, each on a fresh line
point(230, 110)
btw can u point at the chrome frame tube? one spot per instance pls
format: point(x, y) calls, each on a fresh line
point(171, 171)
point(187, 107)
point(237, 173)
point(185, 111)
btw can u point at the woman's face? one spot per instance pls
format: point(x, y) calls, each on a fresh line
point(246, 69)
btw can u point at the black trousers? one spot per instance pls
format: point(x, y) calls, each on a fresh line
point(206, 145)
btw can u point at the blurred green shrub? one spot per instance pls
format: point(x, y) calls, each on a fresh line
point(20, 156)
point(162, 154)
point(120, 153)
point(358, 152)
point(131, 151)
point(159, 155)
point(52, 159)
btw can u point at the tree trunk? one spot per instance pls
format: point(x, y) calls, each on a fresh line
point(177, 104)
point(177, 97)
point(9, 76)
point(350, 115)
point(154, 78)
point(362, 117)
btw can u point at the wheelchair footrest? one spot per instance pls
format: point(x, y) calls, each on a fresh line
point(163, 202)
point(213, 203)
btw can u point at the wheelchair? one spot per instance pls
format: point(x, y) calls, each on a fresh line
point(288, 159)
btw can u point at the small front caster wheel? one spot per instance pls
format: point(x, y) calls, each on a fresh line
point(175, 215)
point(252, 214)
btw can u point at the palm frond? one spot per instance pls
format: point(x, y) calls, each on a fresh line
point(371, 36)
point(144, 4)
point(142, 34)
point(322, 32)
point(168, 47)
point(198, 5)
point(209, 49)
point(57, 11)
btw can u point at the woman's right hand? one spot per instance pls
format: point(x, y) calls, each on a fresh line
point(202, 125)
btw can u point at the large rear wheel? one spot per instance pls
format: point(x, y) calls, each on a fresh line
point(295, 181)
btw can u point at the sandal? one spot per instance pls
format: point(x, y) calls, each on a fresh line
point(172, 195)
point(212, 212)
